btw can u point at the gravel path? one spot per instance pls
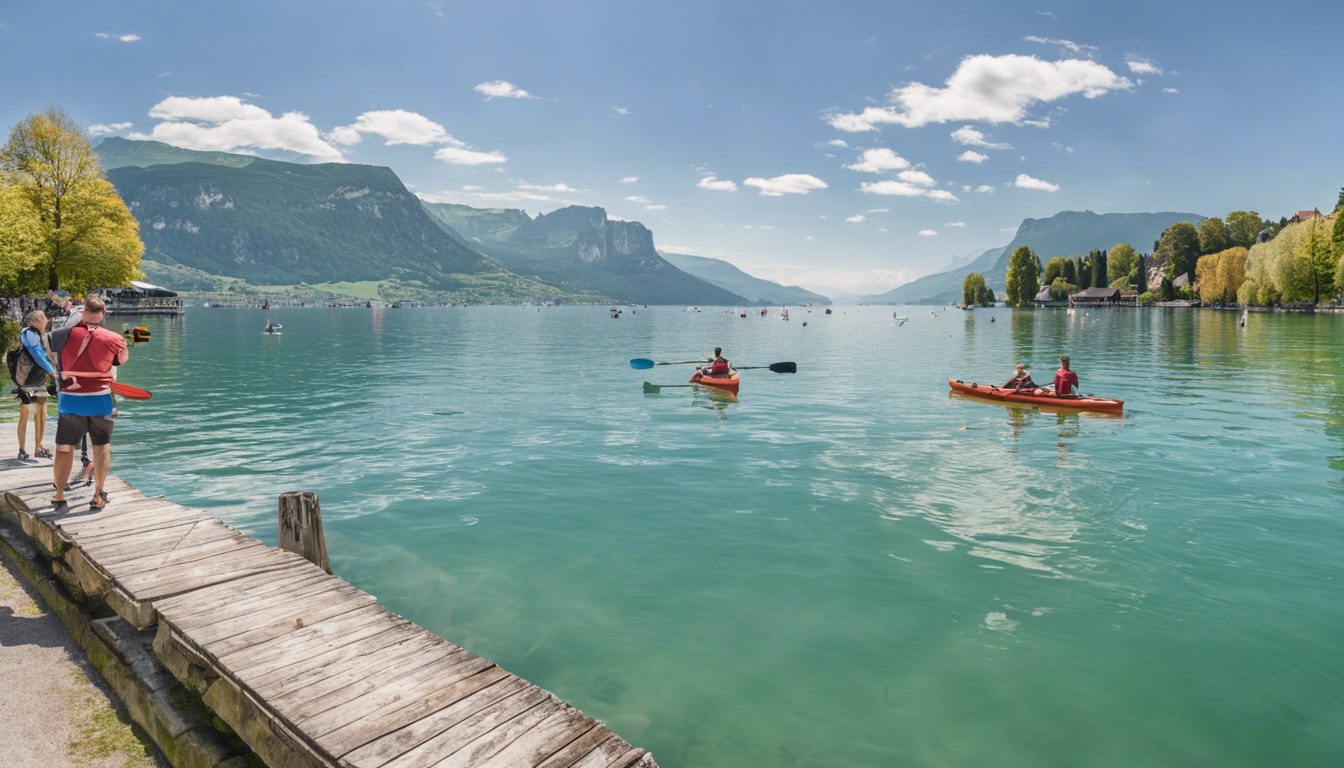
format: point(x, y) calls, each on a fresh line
point(55, 711)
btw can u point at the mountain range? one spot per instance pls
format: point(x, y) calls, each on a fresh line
point(1065, 234)
point(208, 217)
point(580, 248)
point(725, 275)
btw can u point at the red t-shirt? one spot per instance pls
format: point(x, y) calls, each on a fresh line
point(92, 368)
point(1065, 382)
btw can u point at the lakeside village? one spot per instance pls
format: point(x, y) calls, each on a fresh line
point(1293, 265)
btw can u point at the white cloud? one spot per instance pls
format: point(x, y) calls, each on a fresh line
point(472, 197)
point(857, 219)
point(655, 207)
point(719, 185)
point(788, 184)
point(878, 210)
point(1170, 90)
point(629, 179)
point(971, 156)
point(551, 188)
point(1051, 14)
point(955, 224)
point(985, 189)
point(122, 38)
point(906, 189)
point(1068, 45)
point(621, 110)
point(882, 229)
point(1026, 182)
point(809, 237)
point(1057, 145)
point(916, 177)
point(837, 143)
point(746, 226)
point(972, 137)
point(1141, 66)
point(99, 129)
point(502, 89)
point(226, 123)
point(1007, 229)
point(766, 226)
point(470, 188)
point(990, 89)
point(878, 160)
point(397, 126)
point(638, 199)
point(344, 135)
point(928, 232)
point(461, 156)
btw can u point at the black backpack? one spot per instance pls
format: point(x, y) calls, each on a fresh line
point(12, 362)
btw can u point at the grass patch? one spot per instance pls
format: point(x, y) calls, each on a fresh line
point(106, 732)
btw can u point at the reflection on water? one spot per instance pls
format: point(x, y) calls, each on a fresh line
point(845, 568)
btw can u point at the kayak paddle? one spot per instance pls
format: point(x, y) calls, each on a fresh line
point(642, 363)
point(653, 389)
point(776, 367)
point(126, 390)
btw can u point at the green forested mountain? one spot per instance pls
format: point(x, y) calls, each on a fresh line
point(276, 223)
point(578, 248)
point(730, 278)
point(116, 152)
point(1064, 234)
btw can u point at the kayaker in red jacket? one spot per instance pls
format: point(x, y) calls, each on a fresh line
point(1065, 380)
point(718, 367)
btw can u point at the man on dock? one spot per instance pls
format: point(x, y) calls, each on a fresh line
point(86, 353)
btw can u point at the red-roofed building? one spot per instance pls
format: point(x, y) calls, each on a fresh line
point(1311, 215)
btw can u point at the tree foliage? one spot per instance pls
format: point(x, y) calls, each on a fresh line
point(22, 269)
point(1243, 227)
point(1221, 275)
point(1098, 263)
point(1060, 289)
point(975, 292)
point(88, 237)
point(1141, 274)
point(1120, 262)
point(1212, 236)
point(1056, 267)
point(1083, 270)
point(1021, 279)
point(1179, 247)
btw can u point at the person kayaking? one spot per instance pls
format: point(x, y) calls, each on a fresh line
point(718, 367)
point(270, 327)
point(1021, 379)
point(1066, 381)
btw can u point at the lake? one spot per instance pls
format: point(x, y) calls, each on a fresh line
point(845, 567)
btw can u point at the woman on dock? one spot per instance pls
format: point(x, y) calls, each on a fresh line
point(30, 375)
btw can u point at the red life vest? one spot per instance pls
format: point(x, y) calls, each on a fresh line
point(719, 368)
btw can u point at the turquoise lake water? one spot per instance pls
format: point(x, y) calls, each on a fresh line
point(846, 567)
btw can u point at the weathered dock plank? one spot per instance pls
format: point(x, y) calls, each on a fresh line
point(309, 670)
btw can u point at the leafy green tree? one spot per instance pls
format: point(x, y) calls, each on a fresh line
point(1070, 272)
point(1020, 282)
point(1167, 290)
point(1243, 227)
point(89, 237)
point(1318, 252)
point(1084, 270)
point(986, 297)
point(1179, 247)
point(1060, 289)
point(972, 288)
point(1212, 236)
point(1120, 261)
point(1206, 275)
point(1231, 273)
point(1099, 259)
point(21, 245)
point(1340, 203)
point(1055, 267)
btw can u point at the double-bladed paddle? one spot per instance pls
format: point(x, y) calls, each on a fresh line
point(126, 390)
point(641, 363)
point(776, 367)
point(653, 389)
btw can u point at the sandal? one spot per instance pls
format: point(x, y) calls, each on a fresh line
point(99, 496)
point(60, 505)
point(43, 453)
point(23, 455)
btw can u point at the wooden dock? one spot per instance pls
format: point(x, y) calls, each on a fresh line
point(307, 669)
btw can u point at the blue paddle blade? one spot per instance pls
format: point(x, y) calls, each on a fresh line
point(640, 363)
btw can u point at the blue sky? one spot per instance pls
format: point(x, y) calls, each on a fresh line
point(727, 113)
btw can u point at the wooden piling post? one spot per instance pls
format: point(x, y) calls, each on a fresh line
point(301, 528)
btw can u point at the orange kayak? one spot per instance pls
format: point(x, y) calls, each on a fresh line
point(1078, 402)
point(729, 383)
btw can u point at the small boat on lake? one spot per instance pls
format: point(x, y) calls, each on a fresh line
point(729, 382)
point(1075, 402)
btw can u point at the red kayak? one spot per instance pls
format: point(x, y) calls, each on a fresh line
point(1040, 397)
point(729, 382)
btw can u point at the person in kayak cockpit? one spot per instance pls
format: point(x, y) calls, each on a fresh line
point(718, 367)
point(1066, 381)
point(1021, 379)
